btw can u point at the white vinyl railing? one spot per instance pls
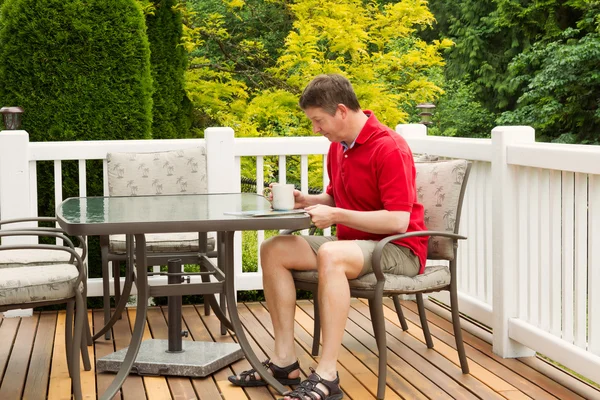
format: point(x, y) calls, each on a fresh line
point(531, 214)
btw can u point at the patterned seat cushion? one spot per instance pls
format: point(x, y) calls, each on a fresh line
point(165, 172)
point(163, 243)
point(20, 258)
point(28, 284)
point(434, 277)
point(439, 187)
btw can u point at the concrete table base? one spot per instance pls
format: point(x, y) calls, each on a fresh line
point(198, 359)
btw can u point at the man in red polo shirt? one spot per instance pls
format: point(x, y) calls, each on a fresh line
point(371, 195)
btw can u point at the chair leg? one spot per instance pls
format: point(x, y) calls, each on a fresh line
point(88, 333)
point(377, 318)
point(116, 265)
point(87, 365)
point(69, 334)
point(106, 290)
point(423, 318)
point(76, 345)
point(401, 318)
point(317, 325)
point(460, 347)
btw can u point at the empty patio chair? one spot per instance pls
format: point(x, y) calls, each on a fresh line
point(440, 187)
point(158, 173)
point(40, 284)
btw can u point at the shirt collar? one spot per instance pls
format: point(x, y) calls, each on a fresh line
point(371, 126)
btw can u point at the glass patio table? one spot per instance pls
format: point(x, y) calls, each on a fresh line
point(136, 216)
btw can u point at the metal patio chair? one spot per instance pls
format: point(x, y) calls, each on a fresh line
point(42, 284)
point(440, 188)
point(158, 173)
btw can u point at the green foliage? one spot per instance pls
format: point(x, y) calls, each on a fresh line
point(171, 112)
point(458, 113)
point(254, 58)
point(81, 71)
point(562, 86)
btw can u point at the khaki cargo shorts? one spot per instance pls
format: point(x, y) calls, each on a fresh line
point(395, 259)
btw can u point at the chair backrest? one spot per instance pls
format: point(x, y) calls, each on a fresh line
point(166, 172)
point(441, 188)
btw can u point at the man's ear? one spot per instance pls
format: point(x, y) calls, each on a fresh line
point(343, 110)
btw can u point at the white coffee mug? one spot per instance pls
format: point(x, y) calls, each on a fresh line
point(283, 196)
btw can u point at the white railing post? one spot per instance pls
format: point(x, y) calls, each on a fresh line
point(14, 188)
point(408, 131)
point(221, 174)
point(14, 177)
point(504, 242)
point(220, 160)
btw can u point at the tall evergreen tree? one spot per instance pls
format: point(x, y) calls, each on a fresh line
point(171, 109)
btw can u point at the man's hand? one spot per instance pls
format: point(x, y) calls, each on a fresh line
point(299, 199)
point(322, 216)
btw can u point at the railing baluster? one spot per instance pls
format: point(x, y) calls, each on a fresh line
point(58, 185)
point(593, 305)
point(580, 261)
point(568, 244)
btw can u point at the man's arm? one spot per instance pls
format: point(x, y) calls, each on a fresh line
point(380, 222)
point(306, 200)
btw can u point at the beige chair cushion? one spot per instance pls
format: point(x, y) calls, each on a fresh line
point(438, 189)
point(434, 277)
point(28, 284)
point(166, 172)
point(20, 258)
point(163, 243)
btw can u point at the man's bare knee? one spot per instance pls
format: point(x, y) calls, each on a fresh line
point(336, 257)
point(289, 251)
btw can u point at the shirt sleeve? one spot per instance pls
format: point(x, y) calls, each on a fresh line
point(396, 180)
point(330, 155)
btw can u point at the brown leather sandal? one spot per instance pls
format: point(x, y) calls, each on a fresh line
point(308, 389)
point(248, 378)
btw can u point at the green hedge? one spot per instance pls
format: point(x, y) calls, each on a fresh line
point(171, 114)
point(81, 71)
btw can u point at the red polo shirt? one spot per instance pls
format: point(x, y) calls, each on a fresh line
point(377, 173)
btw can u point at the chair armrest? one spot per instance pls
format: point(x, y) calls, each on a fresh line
point(376, 260)
point(80, 239)
point(32, 246)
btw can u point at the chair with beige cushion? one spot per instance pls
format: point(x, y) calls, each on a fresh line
point(159, 173)
point(440, 188)
point(47, 283)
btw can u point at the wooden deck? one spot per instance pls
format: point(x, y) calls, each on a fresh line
point(33, 366)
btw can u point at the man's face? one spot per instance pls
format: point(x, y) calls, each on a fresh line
point(330, 126)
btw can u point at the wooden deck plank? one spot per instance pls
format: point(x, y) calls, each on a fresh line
point(229, 391)
point(181, 387)
point(426, 378)
point(352, 386)
point(60, 382)
point(102, 348)
point(156, 386)
point(8, 332)
point(354, 350)
point(19, 359)
point(476, 370)
point(429, 371)
point(529, 375)
point(206, 388)
point(88, 378)
point(359, 313)
point(38, 374)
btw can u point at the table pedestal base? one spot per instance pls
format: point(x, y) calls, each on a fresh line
point(198, 359)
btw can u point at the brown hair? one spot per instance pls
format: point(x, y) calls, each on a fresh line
point(327, 91)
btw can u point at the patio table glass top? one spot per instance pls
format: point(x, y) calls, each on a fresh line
point(170, 213)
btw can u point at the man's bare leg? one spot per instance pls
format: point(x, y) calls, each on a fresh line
point(337, 262)
point(279, 255)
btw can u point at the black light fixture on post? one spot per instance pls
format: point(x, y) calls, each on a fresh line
point(426, 113)
point(11, 117)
